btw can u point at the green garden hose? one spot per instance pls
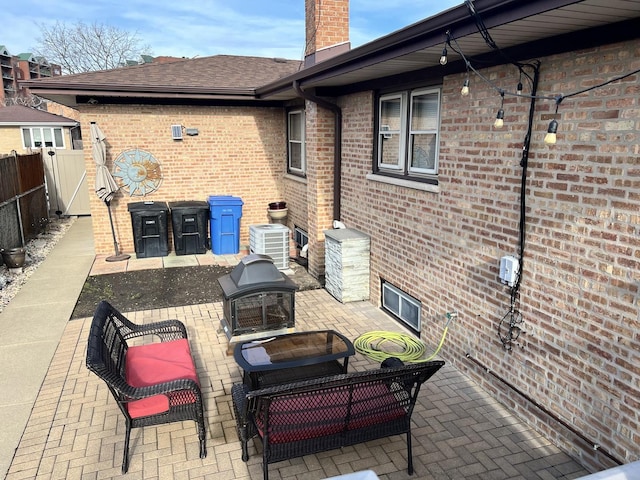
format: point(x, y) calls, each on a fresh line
point(405, 347)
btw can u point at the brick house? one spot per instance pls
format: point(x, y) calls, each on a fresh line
point(383, 139)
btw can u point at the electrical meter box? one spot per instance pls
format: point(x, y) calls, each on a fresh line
point(509, 269)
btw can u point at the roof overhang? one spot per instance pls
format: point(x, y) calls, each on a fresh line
point(73, 94)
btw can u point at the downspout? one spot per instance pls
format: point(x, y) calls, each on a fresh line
point(337, 143)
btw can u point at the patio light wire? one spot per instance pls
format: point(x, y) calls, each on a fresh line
point(509, 327)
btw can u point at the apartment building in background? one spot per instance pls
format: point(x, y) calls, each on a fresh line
point(16, 68)
point(24, 66)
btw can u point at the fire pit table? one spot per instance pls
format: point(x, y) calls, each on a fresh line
point(293, 356)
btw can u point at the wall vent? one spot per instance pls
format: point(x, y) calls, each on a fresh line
point(271, 239)
point(176, 132)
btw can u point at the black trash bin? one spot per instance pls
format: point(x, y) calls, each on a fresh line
point(150, 229)
point(190, 223)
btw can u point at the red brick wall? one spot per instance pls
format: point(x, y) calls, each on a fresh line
point(578, 353)
point(295, 191)
point(320, 168)
point(327, 23)
point(238, 151)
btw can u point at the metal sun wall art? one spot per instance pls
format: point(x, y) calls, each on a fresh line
point(138, 172)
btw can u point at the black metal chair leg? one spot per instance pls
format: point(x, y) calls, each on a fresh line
point(265, 468)
point(125, 455)
point(202, 435)
point(242, 433)
point(203, 448)
point(409, 454)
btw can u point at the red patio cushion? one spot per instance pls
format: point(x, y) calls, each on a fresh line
point(316, 414)
point(375, 404)
point(148, 365)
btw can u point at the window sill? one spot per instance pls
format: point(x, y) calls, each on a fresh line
point(425, 187)
point(295, 178)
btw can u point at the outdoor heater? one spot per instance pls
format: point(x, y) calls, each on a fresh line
point(258, 300)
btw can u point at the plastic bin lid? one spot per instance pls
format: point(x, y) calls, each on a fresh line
point(147, 206)
point(189, 204)
point(225, 200)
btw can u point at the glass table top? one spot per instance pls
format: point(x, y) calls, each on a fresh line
point(291, 350)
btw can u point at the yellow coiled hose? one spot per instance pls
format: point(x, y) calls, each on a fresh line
point(405, 347)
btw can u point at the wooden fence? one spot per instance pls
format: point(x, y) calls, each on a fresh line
point(23, 199)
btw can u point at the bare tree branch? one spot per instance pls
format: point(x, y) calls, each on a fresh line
point(82, 47)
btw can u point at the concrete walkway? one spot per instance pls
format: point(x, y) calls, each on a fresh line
point(32, 325)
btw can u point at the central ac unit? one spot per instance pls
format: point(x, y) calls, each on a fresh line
point(271, 239)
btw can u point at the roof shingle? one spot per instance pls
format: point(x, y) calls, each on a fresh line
point(20, 115)
point(219, 71)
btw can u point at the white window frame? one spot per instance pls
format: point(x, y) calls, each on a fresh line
point(406, 135)
point(290, 142)
point(433, 131)
point(386, 132)
point(41, 131)
point(403, 299)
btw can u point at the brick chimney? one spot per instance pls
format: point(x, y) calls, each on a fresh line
point(327, 29)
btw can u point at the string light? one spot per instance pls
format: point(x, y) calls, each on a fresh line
point(499, 123)
point(550, 138)
point(465, 88)
point(443, 57)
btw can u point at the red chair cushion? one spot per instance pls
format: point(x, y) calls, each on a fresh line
point(148, 365)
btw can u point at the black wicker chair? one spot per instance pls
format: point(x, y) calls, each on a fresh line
point(153, 383)
point(311, 416)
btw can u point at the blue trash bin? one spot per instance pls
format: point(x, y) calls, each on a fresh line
point(226, 212)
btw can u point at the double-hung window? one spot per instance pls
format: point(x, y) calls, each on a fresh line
point(37, 137)
point(408, 124)
point(296, 163)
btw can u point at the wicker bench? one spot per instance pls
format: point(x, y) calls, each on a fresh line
point(302, 418)
point(152, 383)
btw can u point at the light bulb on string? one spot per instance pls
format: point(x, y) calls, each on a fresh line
point(550, 138)
point(519, 87)
point(464, 91)
point(499, 123)
point(443, 57)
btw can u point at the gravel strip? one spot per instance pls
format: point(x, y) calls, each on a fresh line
point(11, 280)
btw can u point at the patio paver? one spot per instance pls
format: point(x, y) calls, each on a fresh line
point(459, 432)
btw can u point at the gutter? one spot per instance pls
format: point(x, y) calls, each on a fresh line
point(101, 88)
point(39, 124)
point(337, 143)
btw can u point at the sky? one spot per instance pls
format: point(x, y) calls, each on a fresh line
point(187, 28)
